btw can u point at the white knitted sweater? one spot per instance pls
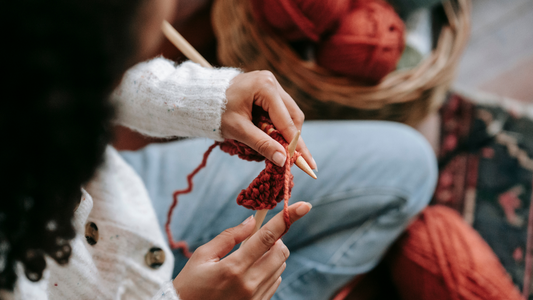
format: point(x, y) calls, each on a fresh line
point(158, 99)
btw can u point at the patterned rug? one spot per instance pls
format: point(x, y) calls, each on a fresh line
point(486, 174)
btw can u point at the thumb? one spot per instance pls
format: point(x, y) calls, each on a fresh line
point(223, 243)
point(261, 142)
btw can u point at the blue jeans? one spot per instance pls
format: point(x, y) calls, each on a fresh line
point(374, 177)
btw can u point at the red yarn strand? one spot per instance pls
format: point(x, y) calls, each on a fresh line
point(286, 189)
point(182, 244)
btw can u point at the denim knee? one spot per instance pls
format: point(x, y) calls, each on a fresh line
point(415, 162)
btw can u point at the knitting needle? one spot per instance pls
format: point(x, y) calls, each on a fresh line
point(304, 166)
point(292, 145)
point(261, 214)
point(300, 161)
point(259, 218)
point(181, 43)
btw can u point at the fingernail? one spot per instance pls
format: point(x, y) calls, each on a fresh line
point(316, 166)
point(303, 209)
point(279, 159)
point(248, 220)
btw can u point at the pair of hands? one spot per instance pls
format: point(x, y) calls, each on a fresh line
point(254, 270)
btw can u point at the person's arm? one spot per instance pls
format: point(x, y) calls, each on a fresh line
point(159, 99)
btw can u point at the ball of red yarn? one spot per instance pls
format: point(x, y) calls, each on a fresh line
point(368, 43)
point(441, 257)
point(299, 19)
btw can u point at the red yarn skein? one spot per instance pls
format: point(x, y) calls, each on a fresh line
point(299, 19)
point(368, 43)
point(441, 257)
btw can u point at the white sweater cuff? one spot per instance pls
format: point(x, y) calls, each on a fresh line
point(166, 292)
point(158, 99)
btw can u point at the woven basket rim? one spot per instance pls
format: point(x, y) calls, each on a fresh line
point(400, 86)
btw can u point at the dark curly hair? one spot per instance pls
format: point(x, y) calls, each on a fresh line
point(60, 61)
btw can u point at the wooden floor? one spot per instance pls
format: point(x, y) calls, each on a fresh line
point(499, 56)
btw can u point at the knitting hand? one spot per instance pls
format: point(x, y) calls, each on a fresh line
point(262, 89)
point(252, 272)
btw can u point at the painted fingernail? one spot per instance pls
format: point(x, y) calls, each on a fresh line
point(279, 159)
point(248, 219)
point(303, 209)
point(316, 166)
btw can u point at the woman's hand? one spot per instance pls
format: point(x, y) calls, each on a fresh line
point(262, 89)
point(252, 272)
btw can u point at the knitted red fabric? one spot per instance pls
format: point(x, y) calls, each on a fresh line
point(267, 190)
point(368, 43)
point(271, 186)
point(299, 19)
point(442, 258)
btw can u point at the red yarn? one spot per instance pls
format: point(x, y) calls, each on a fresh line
point(268, 189)
point(182, 244)
point(271, 186)
point(299, 19)
point(368, 43)
point(442, 258)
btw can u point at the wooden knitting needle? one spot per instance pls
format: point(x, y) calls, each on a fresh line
point(259, 218)
point(292, 145)
point(261, 214)
point(181, 43)
point(300, 161)
point(304, 166)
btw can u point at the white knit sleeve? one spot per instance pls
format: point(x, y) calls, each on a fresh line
point(166, 292)
point(158, 98)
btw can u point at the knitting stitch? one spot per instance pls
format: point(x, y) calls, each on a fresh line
point(271, 186)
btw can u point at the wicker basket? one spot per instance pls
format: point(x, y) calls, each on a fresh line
point(405, 96)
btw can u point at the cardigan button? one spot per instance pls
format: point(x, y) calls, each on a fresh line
point(155, 257)
point(91, 233)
